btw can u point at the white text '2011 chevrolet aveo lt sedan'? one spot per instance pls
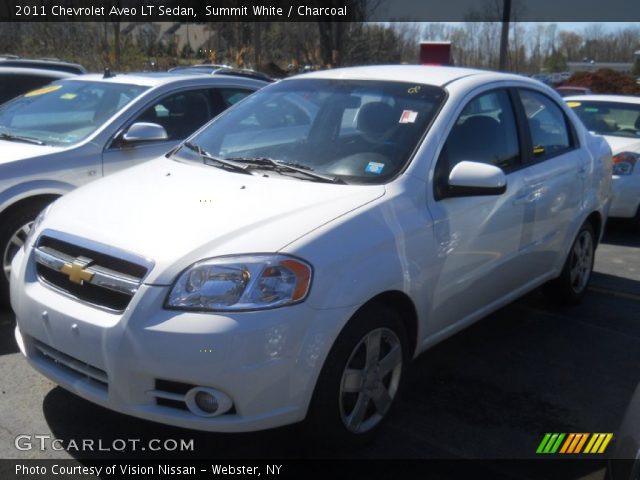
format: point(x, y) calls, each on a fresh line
point(290, 259)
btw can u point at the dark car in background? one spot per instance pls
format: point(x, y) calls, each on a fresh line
point(20, 75)
point(15, 81)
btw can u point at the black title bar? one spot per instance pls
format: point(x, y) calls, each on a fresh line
point(317, 10)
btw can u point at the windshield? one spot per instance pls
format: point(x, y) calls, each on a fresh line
point(359, 131)
point(64, 112)
point(609, 118)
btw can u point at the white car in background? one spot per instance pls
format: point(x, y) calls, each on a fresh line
point(617, 119)
point(70, 132)
point(241, 284)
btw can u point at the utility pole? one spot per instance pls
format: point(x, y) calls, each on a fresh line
point(504, 38)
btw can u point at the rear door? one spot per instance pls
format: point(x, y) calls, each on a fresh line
point(554, 179)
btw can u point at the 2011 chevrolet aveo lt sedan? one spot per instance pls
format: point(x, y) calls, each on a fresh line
point(290, 259)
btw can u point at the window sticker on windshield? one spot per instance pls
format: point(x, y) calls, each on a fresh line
point(68, 96)
point(591, 109)
point(374, 167)
point(42, 91)
point(573, 104)
point(408, 116)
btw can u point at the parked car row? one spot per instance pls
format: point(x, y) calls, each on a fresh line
point(289, 259)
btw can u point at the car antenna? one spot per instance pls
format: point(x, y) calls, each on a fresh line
point(107, 73)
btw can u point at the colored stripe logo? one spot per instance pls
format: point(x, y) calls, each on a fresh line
point(574, 443)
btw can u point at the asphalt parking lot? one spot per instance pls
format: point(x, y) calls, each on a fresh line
point(491, 391)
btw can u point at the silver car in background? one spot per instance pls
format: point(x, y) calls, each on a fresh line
point(72, 131)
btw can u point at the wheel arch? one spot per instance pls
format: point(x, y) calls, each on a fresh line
point(22, 202)
point(404, 306)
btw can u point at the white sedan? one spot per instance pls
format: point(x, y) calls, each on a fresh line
point(617, 118)
point(241, 283)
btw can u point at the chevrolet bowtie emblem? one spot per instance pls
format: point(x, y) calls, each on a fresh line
point(76, 270)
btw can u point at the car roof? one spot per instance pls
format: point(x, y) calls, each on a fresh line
point(603, 98)
point(38, 72)
point(43, 64)
point(154, 79)
point(424, 74)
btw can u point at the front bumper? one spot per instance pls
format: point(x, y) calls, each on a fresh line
point(626, 196)
point(266, 362)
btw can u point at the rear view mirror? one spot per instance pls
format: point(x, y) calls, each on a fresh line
point(469, 179)
point(145, 132)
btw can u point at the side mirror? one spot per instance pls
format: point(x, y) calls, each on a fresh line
point(468, 179)
point(145, 132)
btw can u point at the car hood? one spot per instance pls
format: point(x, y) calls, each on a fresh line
point(11, 151)
point(623, 144)
point(176, 213)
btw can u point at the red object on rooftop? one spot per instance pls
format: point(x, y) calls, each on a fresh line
point(435, 53)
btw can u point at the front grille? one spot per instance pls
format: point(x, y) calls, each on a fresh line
point(94, 277)
point(72, 365)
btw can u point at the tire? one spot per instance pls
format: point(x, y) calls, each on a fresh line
point(356, 388)
point(635, 222)
point(14, 229)
point(571, 285)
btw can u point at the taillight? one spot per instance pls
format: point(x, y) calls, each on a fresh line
point(624, 162)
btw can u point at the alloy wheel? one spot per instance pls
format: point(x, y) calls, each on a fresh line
point(370, 380)
point(15, 243)
point(581, 261)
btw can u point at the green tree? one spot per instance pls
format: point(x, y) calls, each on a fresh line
point(555, 62)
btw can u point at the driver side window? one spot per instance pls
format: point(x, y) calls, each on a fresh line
point(484, 132)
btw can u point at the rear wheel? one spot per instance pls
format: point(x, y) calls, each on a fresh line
point(572, 283)
point(13, 234)
point(361, 379)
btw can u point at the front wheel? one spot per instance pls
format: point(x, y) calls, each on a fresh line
point(13, 234)
point(361, 379)
point(572, 283)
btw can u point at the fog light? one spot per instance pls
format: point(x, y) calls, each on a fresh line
point(206, 402)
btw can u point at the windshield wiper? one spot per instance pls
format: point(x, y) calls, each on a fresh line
point(19, 138)
point(280, 165)
point(207, 158)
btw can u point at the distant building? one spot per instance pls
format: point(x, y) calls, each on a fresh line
point(195, 36)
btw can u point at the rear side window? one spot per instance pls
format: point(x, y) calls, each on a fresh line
point(548, 128)
point(231, 96)
point(484, 132)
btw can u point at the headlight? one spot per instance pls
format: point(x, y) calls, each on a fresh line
point(624, 162)
point(250, 282)
point(35, 226)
